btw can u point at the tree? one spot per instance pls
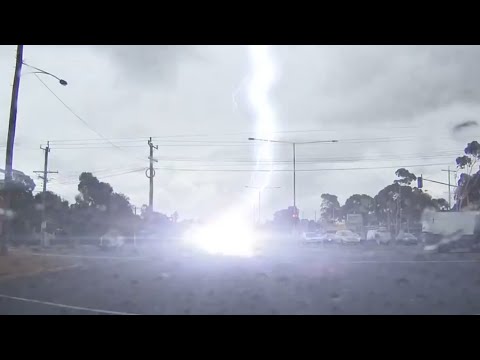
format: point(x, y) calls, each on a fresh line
point(414, 201)
point(20, 181)
point(92, 191)
point(405, 177)
point(120, 213)
point(21, 205)
point(119, 204)
point(57, 212)
point(386, 204)
point(398, 202)
point(441, 204)
point(359, 204)
point(468, 190)
point(330, 207)
point(394, 210)
point(285, 218)
point(100, 207)
point(467, 194)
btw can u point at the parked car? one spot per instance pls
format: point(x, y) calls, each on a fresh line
point(111, 240)
point(312, 237)
point(406, 238)
point(371, 234)
point(380, 236)
point(328, 237)
point(347, 237)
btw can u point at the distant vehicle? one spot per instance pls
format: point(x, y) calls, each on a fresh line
point(347, 237)
point(371, 234)
point(355, 223)
point(312, 237)
point(380, 236)
point(328, 237)
point(406, 239)
point(447, 231)
point(111, 240)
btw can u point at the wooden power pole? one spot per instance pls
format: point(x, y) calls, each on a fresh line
point(150, 173)
point(45, 173)
point(12, 123)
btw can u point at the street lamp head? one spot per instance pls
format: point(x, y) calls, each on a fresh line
point(63, 82)
point(251, 139)
point(334, 141)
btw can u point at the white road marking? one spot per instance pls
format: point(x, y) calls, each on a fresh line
point(107, 312)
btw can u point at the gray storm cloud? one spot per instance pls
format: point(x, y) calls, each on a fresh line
point(150, 64)
point(375, 84)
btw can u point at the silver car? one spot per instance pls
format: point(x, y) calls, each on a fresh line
point(406, 238)
point(347, 237)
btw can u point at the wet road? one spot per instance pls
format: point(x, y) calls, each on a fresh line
point(297, 280)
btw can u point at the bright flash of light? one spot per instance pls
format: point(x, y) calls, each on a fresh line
point(232, 233)
point(229, 236)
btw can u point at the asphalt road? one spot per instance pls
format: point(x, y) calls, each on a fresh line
point(294, 280)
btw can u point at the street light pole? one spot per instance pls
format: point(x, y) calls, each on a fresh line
point(12, 123)
point(40, 71)
point(294, 147)
point(259, 197)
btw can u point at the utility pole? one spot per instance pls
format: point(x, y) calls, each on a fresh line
point(45, 172)
point(12, 122)
point(135, 227)
point(5, 229)
point(294, 182)
point(150, 173)
point(449, 186)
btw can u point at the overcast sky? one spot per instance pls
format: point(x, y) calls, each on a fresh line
point(390, 106)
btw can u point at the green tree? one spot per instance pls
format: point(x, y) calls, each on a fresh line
point(397, 205)
point(98, 208)
point(22, 209)
point(405, 177)
point(57, 212)
point(359, 204)
point(329, 208)
point(92, 191)
point(467, 194)
point(285, 218)
point(441, 204)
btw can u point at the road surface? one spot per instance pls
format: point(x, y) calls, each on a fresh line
point(309, 280)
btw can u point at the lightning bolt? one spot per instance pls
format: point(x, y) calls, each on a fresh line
point(231, 233)
point(262, 79)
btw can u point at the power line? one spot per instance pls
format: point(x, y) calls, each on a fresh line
point(76, 115)
point(309, 160)
point(239, 133)
point(207, 144)
point(74, 173)
point(302, 170)
point(71, 182)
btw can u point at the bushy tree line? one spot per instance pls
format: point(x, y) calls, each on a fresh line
point(97, 209)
